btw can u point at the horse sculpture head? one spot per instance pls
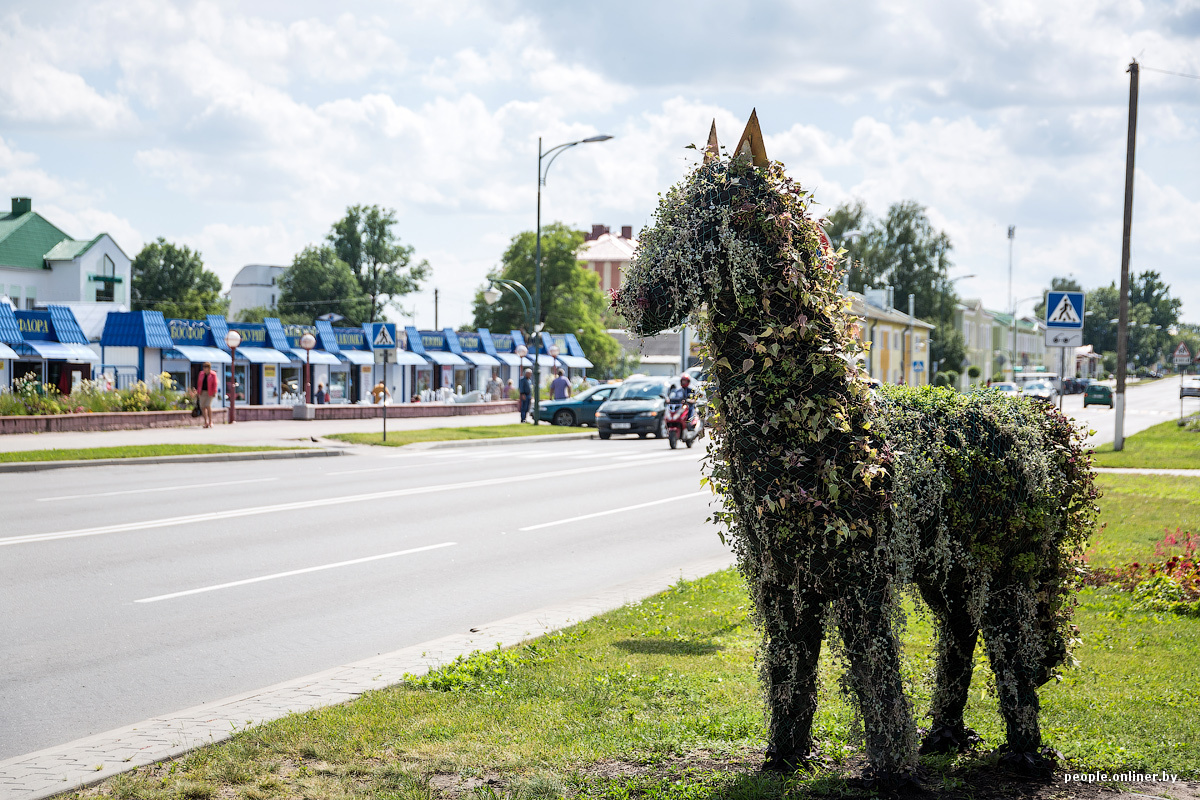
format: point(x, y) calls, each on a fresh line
point(730, 227)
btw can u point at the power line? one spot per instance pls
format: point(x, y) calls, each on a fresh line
point(1169, 72)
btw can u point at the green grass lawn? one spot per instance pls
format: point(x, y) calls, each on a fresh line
point(661, 701)
point(1165, 446)
point(130, 451)
point(1134, 511)
point(401, 438)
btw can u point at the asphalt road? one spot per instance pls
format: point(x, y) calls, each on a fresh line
point(1146, 405)
point(132, 591)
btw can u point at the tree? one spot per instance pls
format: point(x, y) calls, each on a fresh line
point(318, 282)
point(255, 314)
point(173, 280)
point(904, 251)
point(383, 266)
point(1153, 313)
point(572, 301)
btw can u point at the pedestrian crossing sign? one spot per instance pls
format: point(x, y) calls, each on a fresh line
point(383, 335)
point(1064, 310)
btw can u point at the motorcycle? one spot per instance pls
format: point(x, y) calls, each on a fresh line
point(683, 424)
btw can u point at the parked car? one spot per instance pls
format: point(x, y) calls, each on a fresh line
point(1005, 386)
point(577, 410)
point(1189, 387)
point(1098, 395)
point(1040, 390)
point(637, 406)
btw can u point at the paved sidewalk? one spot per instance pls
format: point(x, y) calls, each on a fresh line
point(276, 432)
point(1186, 473)
point(88, 761)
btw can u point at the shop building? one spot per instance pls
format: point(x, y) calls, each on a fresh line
point(354, 350)
point(10, 334)
point(258, 363)
point(52, 347)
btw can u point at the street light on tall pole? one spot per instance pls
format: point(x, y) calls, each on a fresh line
point(491, 295)
point(1012, 232)
point(551, 154)
point(232, 340)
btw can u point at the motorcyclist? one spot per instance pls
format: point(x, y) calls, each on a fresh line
point(683, 394)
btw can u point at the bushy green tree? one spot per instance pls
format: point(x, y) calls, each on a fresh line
point(572, 301)
point(319, 282)
point(383, 267)
point(255, 314)
point(172, 279)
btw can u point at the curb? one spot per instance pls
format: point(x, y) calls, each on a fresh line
point(255, 455)
point(1185, 473)
point(88, 761)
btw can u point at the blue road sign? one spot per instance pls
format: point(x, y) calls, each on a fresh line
point(1064, 310)
point(383, 335)
point(1064, 319)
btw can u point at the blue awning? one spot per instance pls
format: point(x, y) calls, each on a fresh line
point(575, 362)
point(197, 354)
point(7, 353)
point(443, 358)
point(58, 351)
point(317, 357)
point(262, 355)
point(359, 357)
point(481, 359)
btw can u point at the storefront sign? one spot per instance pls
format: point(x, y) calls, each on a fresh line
point(35, 326)
point(433, 340)
point(187, 331)
point(270, 381)
point(447, 375)
point(351, 338)
point(470, 342)
point(253, 335)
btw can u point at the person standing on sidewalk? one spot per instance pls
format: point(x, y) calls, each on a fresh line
point(380, 393)
point(525, 388)
point(560, 387)
point(494, 388)
point(206, 388)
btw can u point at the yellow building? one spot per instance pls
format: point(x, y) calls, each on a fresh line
point(899, 344)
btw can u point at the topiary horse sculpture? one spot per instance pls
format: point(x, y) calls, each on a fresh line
point(836, 501)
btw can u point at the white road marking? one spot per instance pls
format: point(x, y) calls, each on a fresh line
point(153, 489)
point(640, 456)
point(613, 511)
point(400, 466)
point(289, 573)
point(169, 522)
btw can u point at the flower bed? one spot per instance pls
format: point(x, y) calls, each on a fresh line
point(30, 397)
point(1170, 585)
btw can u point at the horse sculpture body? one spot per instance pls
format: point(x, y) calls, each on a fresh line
point(837, 501)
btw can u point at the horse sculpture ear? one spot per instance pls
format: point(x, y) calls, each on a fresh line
point(751, 143)
point(713, 151)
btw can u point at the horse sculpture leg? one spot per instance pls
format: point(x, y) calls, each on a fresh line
point(1017, 672)
point(873, 652)
point(793, 645)
point(957, 636)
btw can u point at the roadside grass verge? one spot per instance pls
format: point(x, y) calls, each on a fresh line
point(129, 451)
point(1136, 509)
point(401, 438)
point(660, 701)
point(1165, 446)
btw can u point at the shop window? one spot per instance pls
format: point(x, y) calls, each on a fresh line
point(337, 387)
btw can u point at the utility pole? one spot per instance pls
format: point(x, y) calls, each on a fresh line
point(1123, 314)
point(1012, 361)
point(435, 310)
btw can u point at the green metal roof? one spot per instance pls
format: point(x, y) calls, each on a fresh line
point(68, 249)
point(25, 239)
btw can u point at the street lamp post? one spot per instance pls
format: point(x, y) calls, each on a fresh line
point(232, 340)
point(491, 295)
point(308, 342)
point(552, 153)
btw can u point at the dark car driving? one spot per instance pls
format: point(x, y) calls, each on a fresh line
point(578, 410)
point(636, 406)
point(1098, 395)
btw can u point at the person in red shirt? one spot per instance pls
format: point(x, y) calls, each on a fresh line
point(207, 385)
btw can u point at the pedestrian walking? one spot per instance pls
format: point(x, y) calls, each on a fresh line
point(526, 390)
point(322, 396)
point(494, 388)
point(380, 393)
point(207, 385)
point(560, 387)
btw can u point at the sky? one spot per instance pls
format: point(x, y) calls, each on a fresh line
point(244, 130)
